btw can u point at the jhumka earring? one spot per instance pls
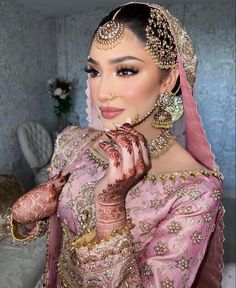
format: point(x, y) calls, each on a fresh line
point(110, 34)
point(170, 109)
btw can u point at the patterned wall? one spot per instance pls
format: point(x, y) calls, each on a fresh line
point(27, 59)
point(211, 25)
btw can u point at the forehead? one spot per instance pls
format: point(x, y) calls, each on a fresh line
point(129, 45)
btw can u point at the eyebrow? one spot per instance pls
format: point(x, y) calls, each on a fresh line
point(116, 60)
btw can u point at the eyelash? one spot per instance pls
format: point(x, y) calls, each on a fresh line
point(121, 71)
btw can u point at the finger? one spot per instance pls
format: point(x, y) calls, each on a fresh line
point(142, 141)
point(113, 155)
point(126, 150)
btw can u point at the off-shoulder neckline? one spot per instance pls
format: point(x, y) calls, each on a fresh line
point(183, 175)
point(163, 177)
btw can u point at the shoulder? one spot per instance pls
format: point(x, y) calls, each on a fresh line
point(74, 134)
point(68, 145)
point(176, 160)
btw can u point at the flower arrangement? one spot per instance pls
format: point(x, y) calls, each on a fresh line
point(60, 90)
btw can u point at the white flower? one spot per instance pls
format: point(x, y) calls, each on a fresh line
point(57, 92)
point(63, 96)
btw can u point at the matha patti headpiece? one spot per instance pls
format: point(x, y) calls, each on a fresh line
point(160, 43)
point(110, 34)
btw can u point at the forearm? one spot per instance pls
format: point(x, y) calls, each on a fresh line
point(109, 218)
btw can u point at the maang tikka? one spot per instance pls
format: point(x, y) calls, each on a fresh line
point(110, 34)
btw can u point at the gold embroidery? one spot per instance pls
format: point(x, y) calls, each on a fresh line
point(134, 193)
point(167, 283)
point(174, 227)
point(207, 217)
point(161, 248)
point(144, 226)
point(184, 175)
point(183, 263)
point(185, 210)
point(216, 194)
point(196, 237)
point(147, 271)
point(192, 193)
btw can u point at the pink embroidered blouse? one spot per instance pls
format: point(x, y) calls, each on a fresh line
point(173, 217)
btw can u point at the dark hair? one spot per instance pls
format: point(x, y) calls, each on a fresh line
point(135, 17)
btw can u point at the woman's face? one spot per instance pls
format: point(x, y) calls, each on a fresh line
point(124, 81)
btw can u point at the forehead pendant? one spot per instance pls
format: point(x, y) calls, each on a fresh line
point(110, 34)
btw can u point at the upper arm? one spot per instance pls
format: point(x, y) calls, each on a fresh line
point(173, 255)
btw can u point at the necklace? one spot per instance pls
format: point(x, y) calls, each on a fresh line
point(156, 148)
point(161, 144)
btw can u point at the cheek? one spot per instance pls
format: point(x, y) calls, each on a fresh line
point(93, 90)
point(139, 89)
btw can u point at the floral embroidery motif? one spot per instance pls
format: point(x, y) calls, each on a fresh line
point(216, 194)
point(161, 248)
point(147, 271)
point(137, 246)
point(185, 210)
point(144, 226)
point(207, 217)
point(174, 227)
point(182, 264)
point(167, 283)
point(192, 193)
point(169, 191)
point(196, 237)
point(155, 203)
point(134, 193)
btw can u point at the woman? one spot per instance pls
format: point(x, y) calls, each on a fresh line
point(135, 208)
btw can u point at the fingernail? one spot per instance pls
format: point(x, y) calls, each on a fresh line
point(101, 144)
point(128, 121)
point(107, 129)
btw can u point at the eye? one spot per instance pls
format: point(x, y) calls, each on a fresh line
point(93, 72)
point(126, 71)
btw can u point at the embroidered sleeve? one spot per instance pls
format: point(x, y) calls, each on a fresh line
point(20, 234)
point(170, 258)
point(109, 262)
point(67, 146)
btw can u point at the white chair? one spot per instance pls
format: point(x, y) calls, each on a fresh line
point(37, 148)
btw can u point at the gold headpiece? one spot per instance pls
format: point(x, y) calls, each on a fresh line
point(160, 43)
point(109, 34)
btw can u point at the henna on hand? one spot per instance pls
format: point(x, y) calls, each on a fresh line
point(128, 160)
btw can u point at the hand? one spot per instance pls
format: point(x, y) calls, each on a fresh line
point(128, 161)
point(40, 202)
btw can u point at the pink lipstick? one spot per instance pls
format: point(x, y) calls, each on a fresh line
point(110, 112)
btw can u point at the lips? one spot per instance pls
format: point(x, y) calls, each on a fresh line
point(110, 112)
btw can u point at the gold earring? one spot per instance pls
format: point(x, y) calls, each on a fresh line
point(162, 119)
point(170, 109)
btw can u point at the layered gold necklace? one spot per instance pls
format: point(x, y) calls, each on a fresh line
point(156, 148)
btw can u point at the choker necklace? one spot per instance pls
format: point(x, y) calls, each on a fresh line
point(161, 144)
point(156, 148)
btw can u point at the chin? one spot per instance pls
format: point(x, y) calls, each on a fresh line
point(110, 124)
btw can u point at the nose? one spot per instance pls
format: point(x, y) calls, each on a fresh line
point(104, 90)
